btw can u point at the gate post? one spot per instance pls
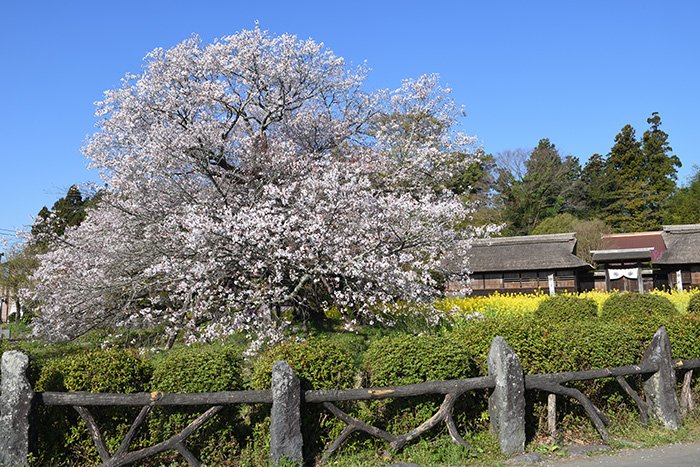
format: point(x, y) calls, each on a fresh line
point(660, 387)
point(285, 420)
point(507, 402)
point(15, 406)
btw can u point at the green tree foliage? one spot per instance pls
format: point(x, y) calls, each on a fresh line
point(549, 186)
point(629, 188)
point(68, 211)
point(477, 180)
point(50, 225)
point(15, 273)
point(588, 232)
point(560, 223)
point(684, 205)
point(596, 186)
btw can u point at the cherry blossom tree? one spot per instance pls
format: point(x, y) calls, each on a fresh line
point(252, 174)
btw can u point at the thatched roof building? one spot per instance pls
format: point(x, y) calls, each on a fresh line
point(528, 253)
point(637, 261)
point(524, 264)
point(682, 245)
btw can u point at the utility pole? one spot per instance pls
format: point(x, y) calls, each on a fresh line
point(4, 299)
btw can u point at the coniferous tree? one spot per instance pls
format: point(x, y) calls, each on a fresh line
point(684, 205)
point(595, 187)
point(661, 168)
point(68, 211)
point(639, 178)
point(550, 186)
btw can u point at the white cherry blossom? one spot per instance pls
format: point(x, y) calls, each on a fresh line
point(255, 174)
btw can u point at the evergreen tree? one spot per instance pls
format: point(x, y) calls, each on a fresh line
point(550, 186)
point(684, 205)
point(639, 177)
point(68, 211)
point(624, 171)
point(661, 168)
point(595, 187)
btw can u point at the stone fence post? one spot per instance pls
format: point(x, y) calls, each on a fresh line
point(507, 402)
point(285, 419)
point(15, 407)
point(660, 387)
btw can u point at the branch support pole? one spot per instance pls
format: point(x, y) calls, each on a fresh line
point(507, 401)
point(552, 416)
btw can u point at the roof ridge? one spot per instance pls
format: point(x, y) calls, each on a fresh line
point(632, 234)
point(522, 239)
point(682, 228)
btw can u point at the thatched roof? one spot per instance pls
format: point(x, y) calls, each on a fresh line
point(683, 244)
point(528, 253)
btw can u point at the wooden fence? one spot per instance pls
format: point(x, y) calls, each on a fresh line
point(506, 382)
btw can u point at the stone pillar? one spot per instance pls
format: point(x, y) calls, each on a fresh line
point(14, 409)
point(285, 420)
point(507, 402)
point(660, 387)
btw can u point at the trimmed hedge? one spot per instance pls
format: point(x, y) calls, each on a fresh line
point(642, 314)
point(566, 308)
point(631, 306)
point(684, 333)
point(523, 334)
point(561, 346)
point(406, 359)
point(96, 371)
point(198, 368)
point(320, 363)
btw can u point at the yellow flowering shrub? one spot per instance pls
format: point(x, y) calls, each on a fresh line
point(522, 304)
point(679, 299)
point(496, 304)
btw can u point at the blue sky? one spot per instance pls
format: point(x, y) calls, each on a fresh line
point(573, 72)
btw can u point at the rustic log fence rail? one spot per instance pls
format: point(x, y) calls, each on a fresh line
point(506, 404)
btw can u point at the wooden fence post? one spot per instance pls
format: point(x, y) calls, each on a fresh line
point(507, 402)
point(15, 406)
point(660, 387)
point(686, 402)
point(285, 419)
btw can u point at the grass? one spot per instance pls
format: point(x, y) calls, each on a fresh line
point(438, 451)
point(625, 432)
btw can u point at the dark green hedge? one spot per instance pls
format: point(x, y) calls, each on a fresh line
point(631, 306)
point(320, 363)
point(408, 359)
point(555, 347)
point(566, 308)
point(694, 303)
point(399, 360)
